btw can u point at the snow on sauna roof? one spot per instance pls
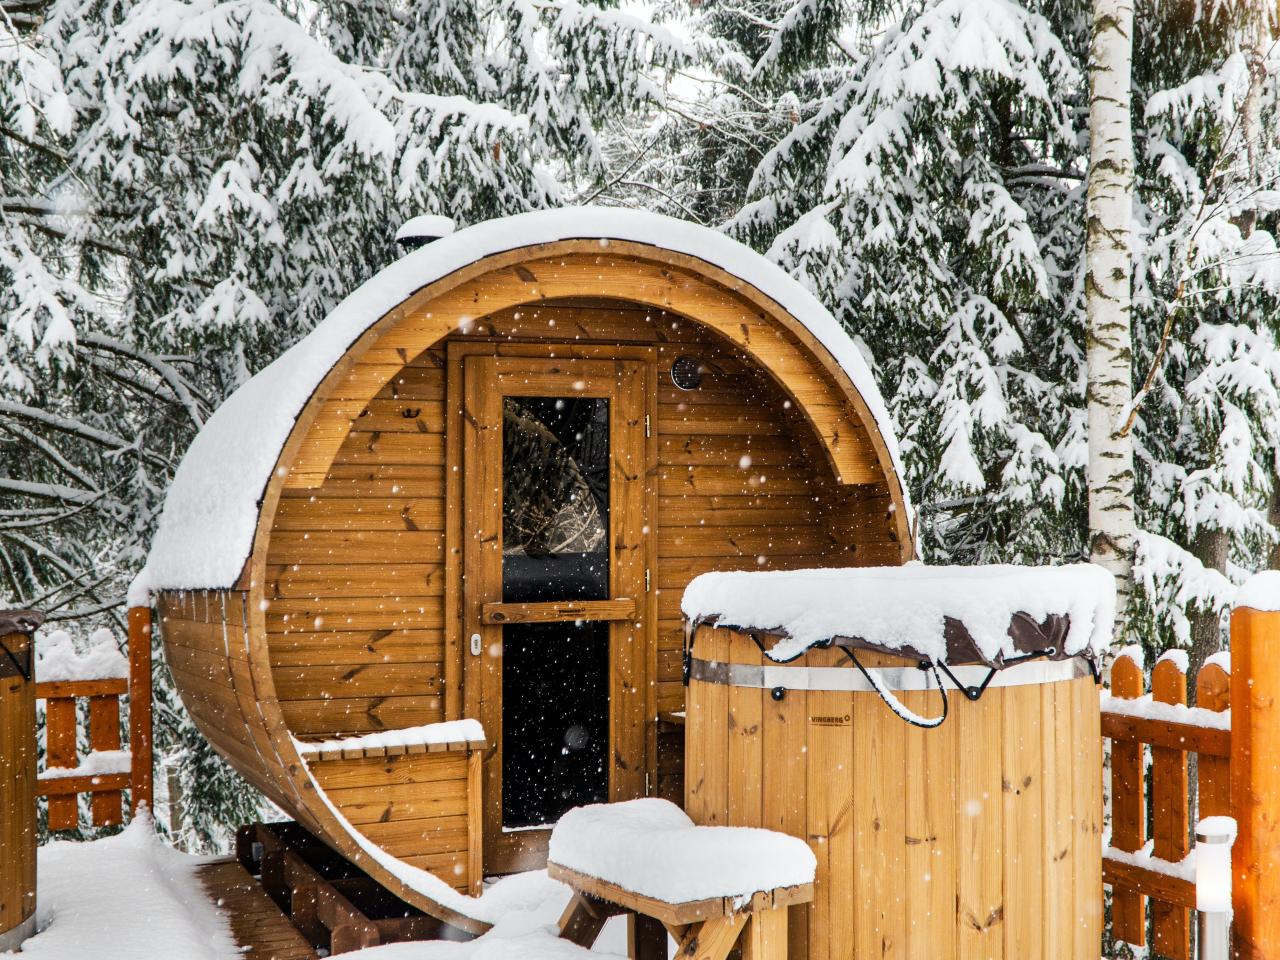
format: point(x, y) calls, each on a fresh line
point(211, 511)
point(995, 612)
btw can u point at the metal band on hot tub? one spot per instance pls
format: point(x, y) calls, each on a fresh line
point(893, 678)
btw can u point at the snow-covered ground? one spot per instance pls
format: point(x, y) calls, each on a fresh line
point(127, 897)
point(131, 897)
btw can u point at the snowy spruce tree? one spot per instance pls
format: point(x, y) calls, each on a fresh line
point(922, 166)
point(188, 186)
point(1209, 288)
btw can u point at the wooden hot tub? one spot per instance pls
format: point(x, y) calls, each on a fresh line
point(980, 838)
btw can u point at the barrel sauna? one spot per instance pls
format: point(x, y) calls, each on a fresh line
point(362, 542)
point(979, 838)
point(17, 777)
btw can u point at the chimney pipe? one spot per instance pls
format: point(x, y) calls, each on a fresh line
point(419, 231)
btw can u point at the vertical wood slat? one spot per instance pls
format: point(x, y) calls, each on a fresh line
point(1086, 722)
point(475, 822)
point(746, 761)
point(104, 734)
point(835, 814)
point(1128, 809)
point(785, 744)
point(1213, 692)
point(1058, 736)
point(1023, 794)
point(140, 774)
point(1255, 782)
point(980, 829)
point(1171, 925)
point(17, 793)
point(930, 838)
point(60, 751)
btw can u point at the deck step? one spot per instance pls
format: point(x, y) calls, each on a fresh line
point(258, 926)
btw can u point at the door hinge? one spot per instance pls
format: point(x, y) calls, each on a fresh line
point(648, 429)
point(648, 580)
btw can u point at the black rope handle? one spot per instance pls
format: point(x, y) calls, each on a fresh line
point(24, 672)
point(896, 705)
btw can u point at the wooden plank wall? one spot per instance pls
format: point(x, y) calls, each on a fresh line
point(356, 566)
point(205, 648)
point(416, 806)
point(355, 569)
point(979, 840)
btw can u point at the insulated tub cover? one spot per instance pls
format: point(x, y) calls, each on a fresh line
point(992, 614)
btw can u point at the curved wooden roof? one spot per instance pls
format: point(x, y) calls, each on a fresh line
point(212, 509)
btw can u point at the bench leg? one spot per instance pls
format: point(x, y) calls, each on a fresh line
point(582, 921)
point(646, 938)
point(712, 939)
point(766, 935)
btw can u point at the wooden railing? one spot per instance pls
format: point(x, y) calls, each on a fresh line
point(1158, 869)
point(107, 770)
point(1234, 730)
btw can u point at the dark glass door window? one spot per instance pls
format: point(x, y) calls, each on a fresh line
point(555, 499)
point(555, 540)
point(555, 719)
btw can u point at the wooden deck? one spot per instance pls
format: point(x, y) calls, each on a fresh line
point(260, 930)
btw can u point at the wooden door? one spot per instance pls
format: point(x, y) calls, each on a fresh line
point(555, 608)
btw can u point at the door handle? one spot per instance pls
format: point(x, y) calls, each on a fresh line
point(475, 644)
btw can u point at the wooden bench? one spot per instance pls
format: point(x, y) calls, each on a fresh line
point(704, 929)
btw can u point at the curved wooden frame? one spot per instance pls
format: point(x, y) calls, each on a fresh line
point(680, 284)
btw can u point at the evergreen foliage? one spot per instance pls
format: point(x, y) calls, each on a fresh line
point(922, 169)
point(188, 186)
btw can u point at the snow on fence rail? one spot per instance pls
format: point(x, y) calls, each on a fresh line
point(1161, 868)
point(101, 677)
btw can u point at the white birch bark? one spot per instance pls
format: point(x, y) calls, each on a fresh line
point(1108, 294)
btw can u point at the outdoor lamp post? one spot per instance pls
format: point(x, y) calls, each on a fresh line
point(1214, 837)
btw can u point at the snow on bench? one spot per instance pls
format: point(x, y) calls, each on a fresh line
point(650, 847)
point(428, 738)
point(708, 887)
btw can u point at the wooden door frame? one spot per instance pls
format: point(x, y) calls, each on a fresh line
point(479, 678)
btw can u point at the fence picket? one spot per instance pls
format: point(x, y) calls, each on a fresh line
point(1213, 692)
point(1171, 924)
point(104, 734)
point(1128, 817)
point(60, 751)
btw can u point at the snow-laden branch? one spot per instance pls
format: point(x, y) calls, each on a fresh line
point(166, 371)
point(49, 491)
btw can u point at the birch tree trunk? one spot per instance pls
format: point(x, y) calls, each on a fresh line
point(1108, 289)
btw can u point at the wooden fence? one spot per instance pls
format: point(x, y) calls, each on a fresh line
point(1234, 730)
point(107, 770)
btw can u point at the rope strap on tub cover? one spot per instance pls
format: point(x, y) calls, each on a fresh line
point(897, 679)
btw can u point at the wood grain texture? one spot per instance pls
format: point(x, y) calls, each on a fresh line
point(1170, 817)
point(258, 926)
point(977, 839)
point(1255, 782)
point(17, 793)
point(1128, 807)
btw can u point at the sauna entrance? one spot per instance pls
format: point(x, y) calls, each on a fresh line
point(554, 492)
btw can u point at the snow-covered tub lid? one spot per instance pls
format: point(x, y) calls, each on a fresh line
point(211, 511)
point(989, 614)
